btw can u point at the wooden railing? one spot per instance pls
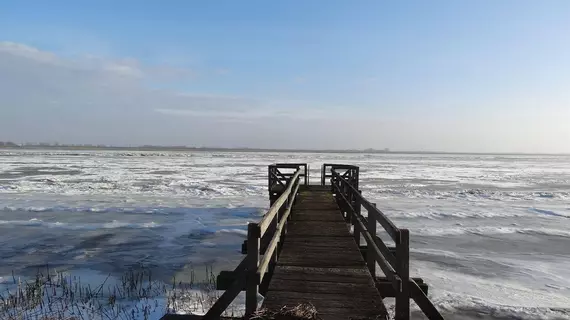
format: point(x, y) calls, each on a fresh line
point(394, 265)
point(252, 270)
point(278, 176)
point(264, 238)
point(350, 172)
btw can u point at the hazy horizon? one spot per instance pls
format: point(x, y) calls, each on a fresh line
point(182, 148)
point(446, 76)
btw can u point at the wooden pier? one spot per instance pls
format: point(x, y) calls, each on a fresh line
point(315, 246)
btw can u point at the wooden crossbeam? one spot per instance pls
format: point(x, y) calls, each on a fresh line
point(276, 178)
point(385, 288)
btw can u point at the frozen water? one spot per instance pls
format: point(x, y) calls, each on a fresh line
point(490, 233)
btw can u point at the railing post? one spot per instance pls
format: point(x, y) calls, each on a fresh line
point(355, 177)
point(357, 202)
point(252, 280)
point(269, 179)
point(275, 224)
point(403, 270)
point(348, 196)
point(343, 205)
point(370, 260)
point(356, 206)
point(355, 231)
point(345, 191)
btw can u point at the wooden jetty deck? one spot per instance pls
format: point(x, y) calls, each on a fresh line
point(306, 250)
point(320, 263)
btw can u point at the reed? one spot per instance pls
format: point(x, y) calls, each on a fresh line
point(53, 295)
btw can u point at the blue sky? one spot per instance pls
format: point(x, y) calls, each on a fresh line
point(483, 76)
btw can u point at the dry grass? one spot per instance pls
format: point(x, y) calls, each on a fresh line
point(134, 296)
point(57, 296)
point(304, 311)
point(300, 312)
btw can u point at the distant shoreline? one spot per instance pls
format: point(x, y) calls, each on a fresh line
point(214, 149)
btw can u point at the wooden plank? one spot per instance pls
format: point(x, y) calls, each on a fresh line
point(334, 275)
point(352, 306)
point(315, 205)
point(318, 215)
point(317, 229)
point(321, 264)
point(317, 188)
point(320, 196)
point(316, 202)
point(324, 250)
point(340, 243)
point(351, 288)
point(320, 253)
point(325, 195)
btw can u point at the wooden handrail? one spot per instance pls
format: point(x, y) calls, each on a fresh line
point(304, 166)
point(250, 268)
point(390, 228)
point(268, 217)
point(255, 269)
point(395, 267)
point(325, 175)
point(379, 257)
point(264, 265)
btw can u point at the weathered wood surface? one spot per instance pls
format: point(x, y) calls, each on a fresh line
point(321, 264)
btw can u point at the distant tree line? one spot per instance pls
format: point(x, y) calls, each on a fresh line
point(62, 146)
point(48, 144)
point(8, 144)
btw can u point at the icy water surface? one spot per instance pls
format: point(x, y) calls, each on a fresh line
point(490, 233)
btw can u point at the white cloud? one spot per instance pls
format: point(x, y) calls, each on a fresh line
point(89, 99)
point(124, 70)
point(23, 50)
point(45, 97)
